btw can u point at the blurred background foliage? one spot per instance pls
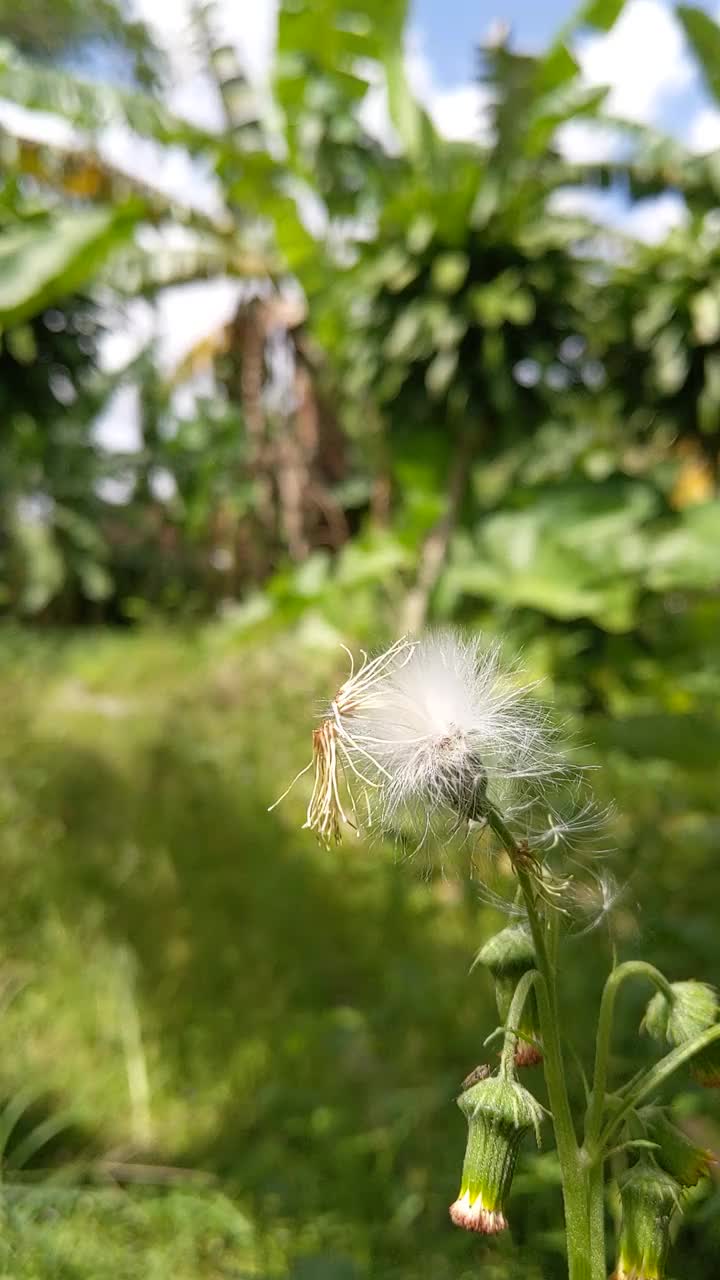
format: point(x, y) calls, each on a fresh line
point(436, 398)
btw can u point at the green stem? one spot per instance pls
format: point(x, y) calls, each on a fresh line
point(574, 1171)
point(597, 1219)
point(623, 972)
point(656, 1077)
point(517, 1004)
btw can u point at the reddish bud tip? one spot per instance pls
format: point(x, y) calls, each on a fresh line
point(473, 1216)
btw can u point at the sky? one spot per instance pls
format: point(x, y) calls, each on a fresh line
point(644, 57)
point(453, 27)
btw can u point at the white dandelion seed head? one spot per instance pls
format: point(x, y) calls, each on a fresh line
point(446, 723)
point(429, 742)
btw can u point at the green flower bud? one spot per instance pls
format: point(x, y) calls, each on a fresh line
point(499, 1114)
point(508, 955)
point(675, 1153)
point(692, 1010)
point(511, 952)
point(649, 1197)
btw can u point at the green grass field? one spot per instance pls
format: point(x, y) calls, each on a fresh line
point(228, 1052)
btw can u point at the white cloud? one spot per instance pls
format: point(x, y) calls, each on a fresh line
point(374, 116)
point(458, 113)
point(248, 27)
point(581, 142)
point(704, 130)
point(188, 313)
point(648, 220)
point(180, 319)
point(169, 169)
point(117, 428)
point(119, 346)
point(37, 126)
point(643, 60)
point(651, 220)
point(583, 203)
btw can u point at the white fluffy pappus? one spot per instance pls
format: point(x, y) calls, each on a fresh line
point(444, 725)
point(422, 739)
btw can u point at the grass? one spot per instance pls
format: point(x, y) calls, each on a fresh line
point(239, 1051)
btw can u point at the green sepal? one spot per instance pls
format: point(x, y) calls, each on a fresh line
point(675, 1152)
point(508, 953)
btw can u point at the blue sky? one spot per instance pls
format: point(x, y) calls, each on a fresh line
point(449, 31)
point(453, 27)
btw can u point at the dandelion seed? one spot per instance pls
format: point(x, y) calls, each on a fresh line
point(572, 824)
point(597, 901)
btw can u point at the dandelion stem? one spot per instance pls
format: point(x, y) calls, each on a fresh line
point(652, 1080)
point(512, 1022)
point(622, 973)
point(586, 1257)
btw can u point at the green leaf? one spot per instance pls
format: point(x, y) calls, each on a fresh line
point(709, 398)
point(691, 741)
point(687, 555)
point(49, 258)
point(658, 310)
point(576, 551)
point(90, 104)
point(557, 68)
point(601, 14)
point(705, 313)
point(449, 271)
point(704, 37)
point(505, 299)
point(441, 372)
point(412, 123)
point(670, 360)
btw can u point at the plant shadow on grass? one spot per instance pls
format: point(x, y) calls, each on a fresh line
point(312, 1012)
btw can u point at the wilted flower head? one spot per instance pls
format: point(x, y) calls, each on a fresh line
point(335, 764)
point(499, 1113)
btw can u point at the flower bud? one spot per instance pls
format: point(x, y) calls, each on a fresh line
point(649, 1199)
point(692, 1010)
point(675, 1153)
point(499, 1114)
point(508, 955)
